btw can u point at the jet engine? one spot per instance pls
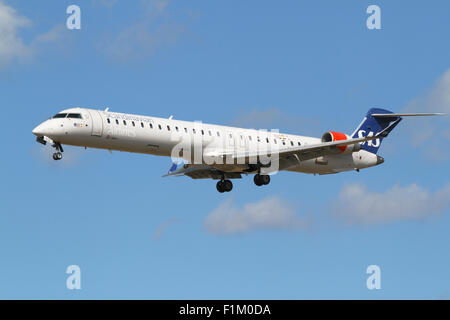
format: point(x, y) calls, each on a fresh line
point(332, 136)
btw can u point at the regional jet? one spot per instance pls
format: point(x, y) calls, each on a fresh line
point(219, 152)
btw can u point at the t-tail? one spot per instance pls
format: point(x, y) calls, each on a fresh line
point(381, 122)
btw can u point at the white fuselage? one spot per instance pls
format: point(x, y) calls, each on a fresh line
point(159, 136)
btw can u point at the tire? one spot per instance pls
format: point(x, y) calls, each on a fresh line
point(257, 179)
point(227, 185)
point(220, 187)
point(265, 179)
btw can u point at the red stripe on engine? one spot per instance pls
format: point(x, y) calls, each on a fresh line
point(337, 136)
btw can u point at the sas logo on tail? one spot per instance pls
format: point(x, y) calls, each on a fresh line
point(371, 143)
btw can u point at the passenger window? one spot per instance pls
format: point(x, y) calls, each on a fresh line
point(108, 120)
point(249, 138)
point(218, 134)
point(132, 122)
point(185, 130)
point(292, 144)
point(168, 128)
point(124, 123)
point(176, 128)
point(209, 131)
point(299, 143)
point(284, 143)
point(203, 132)
point(267, 140)
point(151, 126)
point(275, 141)
point(142, 124)
point(193, 130)
point(159, 126)
point(117, 121)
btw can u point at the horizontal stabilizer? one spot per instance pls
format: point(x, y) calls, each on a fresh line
point(390, 115)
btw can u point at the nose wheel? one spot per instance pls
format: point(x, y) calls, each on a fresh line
point(58, 154)
point(224, 186)
point(261, 179)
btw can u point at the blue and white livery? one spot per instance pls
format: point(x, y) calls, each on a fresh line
point(221, 152)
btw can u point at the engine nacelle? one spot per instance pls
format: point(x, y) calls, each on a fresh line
point(332, 136)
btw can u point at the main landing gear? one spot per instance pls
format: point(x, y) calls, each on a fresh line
point(58, 154)
point(261, 179)
point(224, 186)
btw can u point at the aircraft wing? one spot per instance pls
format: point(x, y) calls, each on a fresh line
point(288, 157)
point(307, 152)
point(201, 171)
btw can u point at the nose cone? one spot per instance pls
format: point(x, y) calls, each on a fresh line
point(42, 130)
point(38, 131)
point(380, 160)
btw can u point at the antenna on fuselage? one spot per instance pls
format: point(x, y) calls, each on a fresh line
point(106, 110)
point(171, 116)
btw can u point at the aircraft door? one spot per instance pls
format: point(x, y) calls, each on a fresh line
point(96, 123)
point(231, 142)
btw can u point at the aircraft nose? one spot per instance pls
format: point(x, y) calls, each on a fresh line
point(380, 160)
point(41, 130)
point(38, 131)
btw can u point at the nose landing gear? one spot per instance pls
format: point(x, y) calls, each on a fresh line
point(58, 154)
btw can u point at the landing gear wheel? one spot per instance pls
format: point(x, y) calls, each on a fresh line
point(227, 185)
point(57, 156)
point(224, 186)
point(261, 179)
point(220, 187)
point(265, 179)
point(257, 180)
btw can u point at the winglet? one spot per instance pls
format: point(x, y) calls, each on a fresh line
point(174, 168)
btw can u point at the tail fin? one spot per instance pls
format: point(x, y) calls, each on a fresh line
point(376, 121)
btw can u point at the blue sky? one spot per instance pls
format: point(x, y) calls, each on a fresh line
point(299, 66)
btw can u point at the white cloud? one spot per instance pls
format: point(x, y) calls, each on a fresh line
point(159, 232)
point(143, 37)
point(436, 99)
point(439, 97)
point(141, 40)
point(270, 213)
point(153, 7)
point(55, 34)
point(431, 133)
point(11, 45)
point(358, 205)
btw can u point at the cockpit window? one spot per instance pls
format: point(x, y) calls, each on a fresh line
point(59, 115)
point(74, 116)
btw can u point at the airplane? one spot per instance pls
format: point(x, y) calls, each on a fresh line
point(222, 152)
